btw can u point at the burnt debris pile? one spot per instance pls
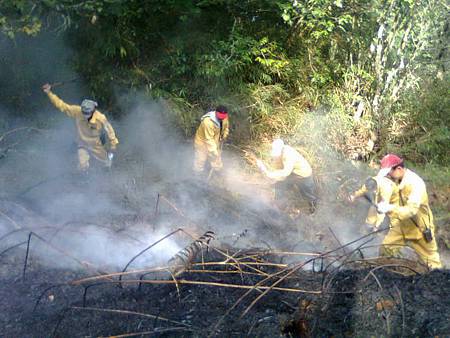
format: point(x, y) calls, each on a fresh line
point(210, 290)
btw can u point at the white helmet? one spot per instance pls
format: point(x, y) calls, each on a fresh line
point(277, 147)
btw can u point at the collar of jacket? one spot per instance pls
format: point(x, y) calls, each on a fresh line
point(213, 117)
point(93, 118)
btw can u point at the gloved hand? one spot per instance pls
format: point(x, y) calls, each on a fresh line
point(261, 166)
point(384, 207)
point(110, 156)
point(216, 163)
point(46, 88)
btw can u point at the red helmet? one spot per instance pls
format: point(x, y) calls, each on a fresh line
point(390, 161)
point(222, 112)
point(387, 163)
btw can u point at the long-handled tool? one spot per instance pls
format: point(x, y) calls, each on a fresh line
point(371, 186)
point(62, 83)
point(211, 171)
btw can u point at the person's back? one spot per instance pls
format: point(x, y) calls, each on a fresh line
point(413, 213)
point(302, 167)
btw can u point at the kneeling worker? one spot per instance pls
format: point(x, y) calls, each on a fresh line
point(213, 130)
point(294, 171)
point(91, 126)
point(411, 217)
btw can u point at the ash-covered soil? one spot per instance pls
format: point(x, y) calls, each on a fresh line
point(83, 225)
point(355, 302)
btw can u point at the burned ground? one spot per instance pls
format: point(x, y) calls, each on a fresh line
point(351, 302)
point(266, 273)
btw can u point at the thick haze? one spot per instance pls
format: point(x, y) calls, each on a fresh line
point(108, 217)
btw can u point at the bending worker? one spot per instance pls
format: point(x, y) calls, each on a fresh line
point(375, 190)
point(213, 130)
point(294, 170)
point(411, 219)
point(91, 126)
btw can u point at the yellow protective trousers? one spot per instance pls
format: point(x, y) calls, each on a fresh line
point(84, 155)
point(427, 251)
point(203, 155)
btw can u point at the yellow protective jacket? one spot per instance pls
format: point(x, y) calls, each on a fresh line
point(89, 131)
point(412, 214)
point(210, 134)
point(290, 162)
point(385, 192)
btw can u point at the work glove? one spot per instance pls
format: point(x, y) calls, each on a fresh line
point(261, 166)
point(372, 227)
point(110, 156)
point(216, 163)
point(384, 207)
point(46, 88)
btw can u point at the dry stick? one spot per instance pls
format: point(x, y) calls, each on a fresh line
point(237, 262)
point(85, 264)
point(225, 285)
point(131, 313)
point(403, 309)
point(62, 226)
point(11, 233)
point(256, 287)
point(164, 268)
point(174, 279)
point(334, 273)
point(148, 248)
point(26, 256)
point(287, 253)
point(391, 265)
point(17, 226)
point(18, 129)
point(145, 333)
point(247, 263)
point(224, 272)
point(115, 274)
point(377, 280)
point(346, 261)
point(295, 269)
point(12, 247)
point(368, 260)
point(157, 205)
point(215, 249)
point(337, 240)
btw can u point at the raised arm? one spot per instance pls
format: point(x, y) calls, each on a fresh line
point(69, 110)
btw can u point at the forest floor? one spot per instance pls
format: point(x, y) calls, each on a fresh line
point(259, 270)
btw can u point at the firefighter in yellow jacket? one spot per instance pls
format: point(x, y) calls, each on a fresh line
point(376, 189)
point(294, 171)
point(411, 219)
point(91, 124)
point(213, 130)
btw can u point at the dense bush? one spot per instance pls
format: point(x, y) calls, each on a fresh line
point(275, 62)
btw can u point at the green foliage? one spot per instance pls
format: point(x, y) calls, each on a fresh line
point(425, 119)
point(276, 58)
